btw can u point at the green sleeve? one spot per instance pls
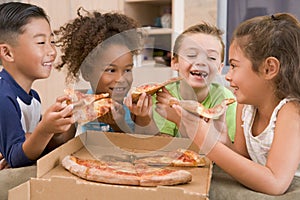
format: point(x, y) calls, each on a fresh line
point(165, 126)
point(230, 120)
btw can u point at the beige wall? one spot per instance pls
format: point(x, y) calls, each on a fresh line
point(61, 11)
point(200, 10)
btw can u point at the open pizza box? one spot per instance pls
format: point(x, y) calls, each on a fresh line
point(54, 182)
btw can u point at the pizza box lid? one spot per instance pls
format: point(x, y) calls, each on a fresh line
point(53, 178)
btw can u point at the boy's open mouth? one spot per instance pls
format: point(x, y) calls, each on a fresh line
point(199, 73)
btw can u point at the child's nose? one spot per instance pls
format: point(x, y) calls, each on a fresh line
point(51, 51)
point(228, 76)
point(202, 59)
point(120, 77)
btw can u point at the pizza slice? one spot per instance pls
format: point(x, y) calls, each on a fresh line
point(177, 158)
point(92, 111)
point(79, 98)
point(198, 109)
point(151, 88)
point(187, 158)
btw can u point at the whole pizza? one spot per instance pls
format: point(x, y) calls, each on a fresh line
point(150, 171)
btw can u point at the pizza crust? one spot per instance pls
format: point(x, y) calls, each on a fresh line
point(173, 178)
point(70, 164)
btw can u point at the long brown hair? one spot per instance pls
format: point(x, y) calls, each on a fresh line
point(276, 36)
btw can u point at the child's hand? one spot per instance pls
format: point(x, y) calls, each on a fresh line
point(163, 108)
point(3, 163)
point(142, 108)
point(58, 118)
point(203, 131)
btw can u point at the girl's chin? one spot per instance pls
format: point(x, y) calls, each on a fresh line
point(118, 98)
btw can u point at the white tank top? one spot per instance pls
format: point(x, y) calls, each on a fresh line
point(259, 146)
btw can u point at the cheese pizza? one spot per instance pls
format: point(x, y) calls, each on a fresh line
point(198, 109)
point(124, 173)
point(151, 88)
point(92, 111)
point(177, 158)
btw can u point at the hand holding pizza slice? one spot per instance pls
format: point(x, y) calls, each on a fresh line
point(204, 132)
point(198, 109)
point(151, 88)
point(92, 111)
point(88, 107)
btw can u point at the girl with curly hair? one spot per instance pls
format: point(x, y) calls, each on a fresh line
point(101, 48)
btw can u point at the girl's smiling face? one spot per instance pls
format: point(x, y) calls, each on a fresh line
point(199, 59)
point(247, 85)
point(113, 73)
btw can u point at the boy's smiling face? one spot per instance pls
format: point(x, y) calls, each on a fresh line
point(199, 59)
point(113, 74)
point(34, 52)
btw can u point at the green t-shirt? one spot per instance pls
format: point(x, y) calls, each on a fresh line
point(216, 95)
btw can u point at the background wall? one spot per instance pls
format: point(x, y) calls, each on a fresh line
point(185, 13)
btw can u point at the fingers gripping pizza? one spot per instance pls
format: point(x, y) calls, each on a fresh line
point(151, 89)
point(198, 109)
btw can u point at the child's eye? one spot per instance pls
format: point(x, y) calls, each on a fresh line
point(41, 42)
point(212, 58)
point(128, 70)
point(232, 66)
point(191, 55)
point(110, 70)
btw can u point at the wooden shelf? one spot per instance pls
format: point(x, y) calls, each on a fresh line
point(157, 31)
point(149, 1)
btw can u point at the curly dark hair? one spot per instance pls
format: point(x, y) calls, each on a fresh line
point(80, 36)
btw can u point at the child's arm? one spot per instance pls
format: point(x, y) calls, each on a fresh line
point(61, 138)
point(283, 158)
point(57, 119)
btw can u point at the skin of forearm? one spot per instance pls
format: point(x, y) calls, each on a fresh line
point(60, 138)
point(250, 174)
point(36, 143)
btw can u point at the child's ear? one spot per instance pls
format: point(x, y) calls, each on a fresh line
point(5, 53)
point(220, 68)
point(271, 67)
point(174, 63)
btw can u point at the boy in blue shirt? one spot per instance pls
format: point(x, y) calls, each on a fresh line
point(27, 52)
